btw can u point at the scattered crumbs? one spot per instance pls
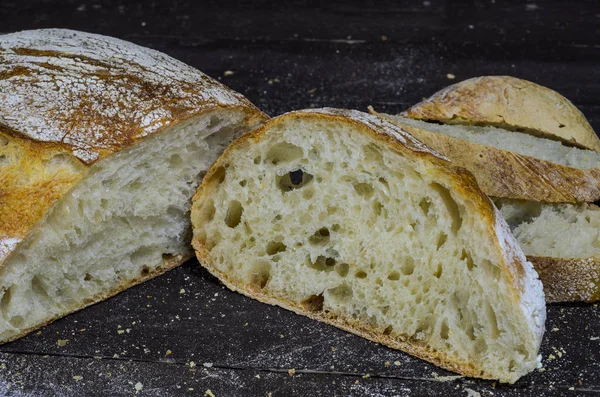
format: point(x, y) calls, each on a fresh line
point(356, 382)
point(257, 376)
point(138, 386)
point(120, 331)
point(39, 333)
point(115, 356)
point(554, 329)
point(228, 73)
point(396, 363)
point(594, 338)
point(449, 378)
point(387, 363)
point(366, 376)
point(542, 369)
point(78, 378)
point(128, 330)
point(97, 358)
point(62, 342)
point(384, 38)
point(182, 291)
point(333, 348)
point(168, 352)
point(472, 393)
point(191, 364)
point(312, 90)
point(190, 388)
point(270, 394)
point(281, 335)
point(177, 316)
point(551, 357)
point(291, 372)
point(450, 76)
point(209, 393)
point(146, 350)
point(207, 365)
point(245, 325)
point(571, 388)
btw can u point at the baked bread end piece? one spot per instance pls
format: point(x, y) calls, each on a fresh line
point(345, 218)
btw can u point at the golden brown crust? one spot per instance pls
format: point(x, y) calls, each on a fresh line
point(169, 263)
point(509, 103)
point(501, 173)
point(568, 279)
point(462, 182)
point(68, 99)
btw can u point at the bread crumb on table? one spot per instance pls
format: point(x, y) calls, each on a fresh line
point(62, 342)
point(291, 372)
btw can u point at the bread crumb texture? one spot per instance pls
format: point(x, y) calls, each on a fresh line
point(330, 218)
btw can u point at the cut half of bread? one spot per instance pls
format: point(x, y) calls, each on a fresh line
point(563, 243)
point(345, 218)
point(102, 144)
point(512, 104)
point(512, 164)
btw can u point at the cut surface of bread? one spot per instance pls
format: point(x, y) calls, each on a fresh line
point(346, 218)
point(513, 165)
point(102, 145)
point(510, 103)
point(563, 243)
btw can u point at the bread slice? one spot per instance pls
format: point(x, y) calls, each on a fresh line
point(512, 164)
point(563, 243)
point(102, 144)
point(347, 219)
point(511, 104)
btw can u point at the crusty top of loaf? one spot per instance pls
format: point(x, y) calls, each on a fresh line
point(510, 103)
point(69, 98)
point(96, 94)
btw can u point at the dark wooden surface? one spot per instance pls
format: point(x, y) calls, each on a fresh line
point(183, 333)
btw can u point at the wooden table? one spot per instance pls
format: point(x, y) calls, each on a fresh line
point(184, 333)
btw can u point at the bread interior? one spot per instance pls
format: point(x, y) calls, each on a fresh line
point(327, 221)
point(122, 222)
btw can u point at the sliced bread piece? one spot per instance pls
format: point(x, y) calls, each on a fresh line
point(512, 104)
point(512, 164)
point(102, 144)
point(345, 218)
point(563, 243)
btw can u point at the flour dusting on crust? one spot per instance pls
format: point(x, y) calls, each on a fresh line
point(96, 94)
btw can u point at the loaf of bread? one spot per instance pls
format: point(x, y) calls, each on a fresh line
point(102, 144)
point(347, 219)
point(524, 141)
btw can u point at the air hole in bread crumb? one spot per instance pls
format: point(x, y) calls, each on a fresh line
point(442, 238)
point(340, 294)
point(320, 237)
point(88, 277)
point(234, 214)
point(274, 247)
point(360, 274)
point(377, 207)
point(313, 303)
point(394, 276)
point(38, 287)
point(408, 267)
point(257, 160)
point(372, 154)
point(322, 263)
point(335, 227)
point(438, 271)
point(451, 206)
point(4, 160)
point(282, 153)
point(388, 330)
point(176, 160)
point(308, 193)
point(243, 183)
point(145, 271)
point(444, 331)
point(294, 180)
point(342, 269)
point(5, 301)
point(465, 256)
point(218, 175)
point(260, 273)
point(364, 190)
point(425, 204)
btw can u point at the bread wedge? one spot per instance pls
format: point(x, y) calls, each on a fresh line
point(102, 144)
point(511, 104)
point(563, 243)
point(345, 218)
point(512, 164)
